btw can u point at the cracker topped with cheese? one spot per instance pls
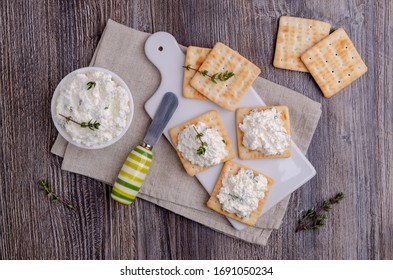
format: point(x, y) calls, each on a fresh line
point(225, 76)
point(263, 132)
point(202, 142)
point(240, 193)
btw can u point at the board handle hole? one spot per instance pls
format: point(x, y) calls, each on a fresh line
point(160, 48)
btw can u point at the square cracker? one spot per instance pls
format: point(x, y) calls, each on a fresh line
point(245, 153)
point(214, 204)
point(194, 57)
point(226, 94)
point(294, 37)
point(334, 63)
point(212, 120)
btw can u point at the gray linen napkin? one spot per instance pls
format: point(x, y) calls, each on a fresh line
point(121, 50)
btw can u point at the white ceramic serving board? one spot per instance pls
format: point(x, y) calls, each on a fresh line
point(163, 51)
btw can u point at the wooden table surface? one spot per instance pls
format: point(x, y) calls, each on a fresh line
point(42, 41)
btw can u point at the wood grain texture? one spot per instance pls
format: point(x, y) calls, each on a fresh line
point(352, 149)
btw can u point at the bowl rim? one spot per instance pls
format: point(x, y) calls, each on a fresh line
point(64, 133)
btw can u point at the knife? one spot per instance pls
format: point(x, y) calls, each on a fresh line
point(135, 168)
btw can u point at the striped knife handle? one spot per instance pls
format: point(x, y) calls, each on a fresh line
point(132, 175)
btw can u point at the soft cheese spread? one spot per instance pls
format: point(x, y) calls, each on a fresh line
point(240, 193)
point(265, 132)
point(93, 96)
point(189, 143)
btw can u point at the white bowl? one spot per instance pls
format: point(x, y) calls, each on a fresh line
point(61, 129)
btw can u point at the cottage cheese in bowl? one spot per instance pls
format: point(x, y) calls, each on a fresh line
point(92, 107)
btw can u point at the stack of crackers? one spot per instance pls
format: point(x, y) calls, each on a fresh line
point(220, 59)
point(305, 45)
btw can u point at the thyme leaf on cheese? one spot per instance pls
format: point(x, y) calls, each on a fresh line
point(221, 76)
point(92, 125)
point(315, 219)
point(90, 85)
point(202, 148)
point(233, 196)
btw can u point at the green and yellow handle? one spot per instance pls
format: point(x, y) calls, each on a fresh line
point(132, 175)
point(134, 170)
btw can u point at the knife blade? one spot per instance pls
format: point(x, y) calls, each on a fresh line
point(161, 118)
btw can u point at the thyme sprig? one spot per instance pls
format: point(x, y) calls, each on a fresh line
point(90, 124)
point(44, 186)
point(315, 219)
point(202, 148)
point(234, 196)
point(221, 76)
point(91, 85)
